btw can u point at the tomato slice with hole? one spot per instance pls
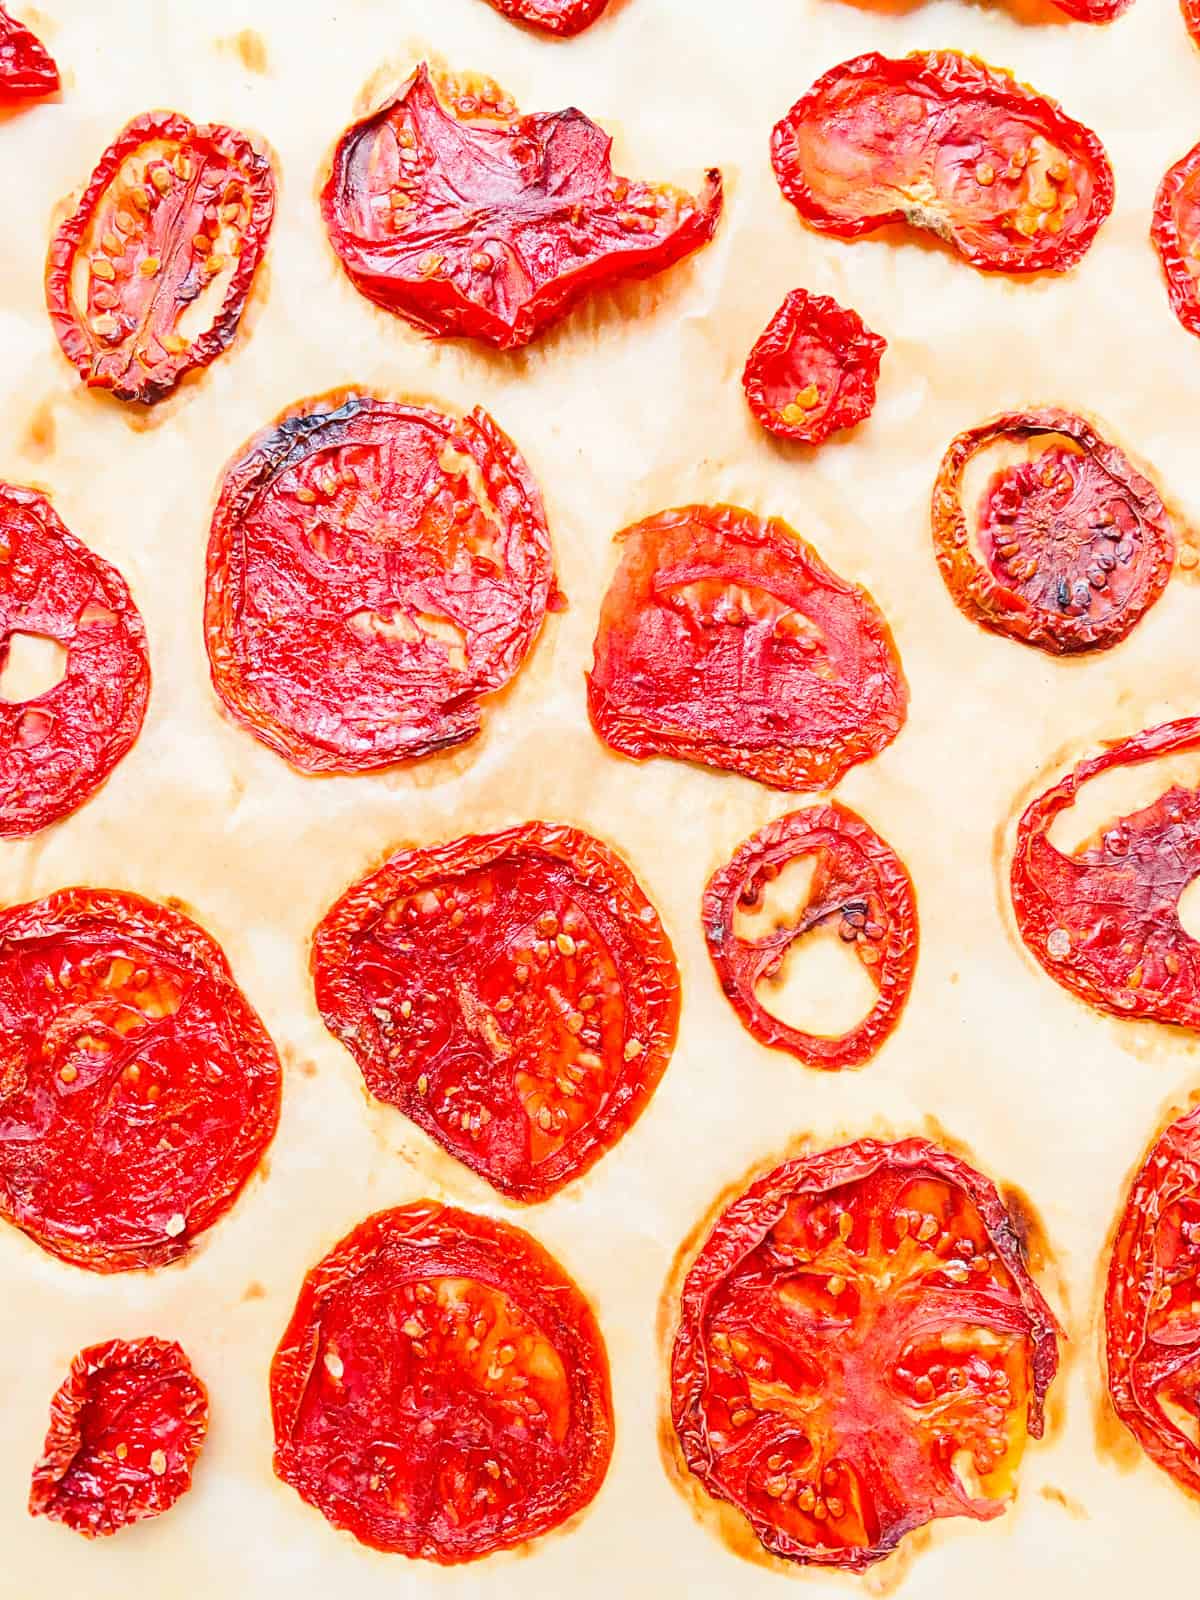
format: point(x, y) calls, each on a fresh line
point(57, 747)
point(442, 1389)
point(813, 369)
point(1070, 545)
point(450, 208)
point(27, 69)
point(513, 993)
point(126, 1427)
point(147, 279)
point(724, 639)
point(944, 142)
point(860, 888)
point(138, 1089)
point(561, 17)
point(1104, 922)
point(374, 571)
point(861, 1349)
point(1175, 231)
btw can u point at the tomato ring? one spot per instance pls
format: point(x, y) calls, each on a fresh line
point(1175, 232)
point(27, 69)
point(563, 18)
point(813, 369)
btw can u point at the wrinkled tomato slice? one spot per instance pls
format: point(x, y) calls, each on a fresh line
point(148, 277)
point(453, 210)
point(138, 1089)
point(27, 69)
point(724, 639)
point(1071, 545)
point(860, 888)
point(513, 993)
point(1176, 234)
point(813, 370)
point(561, 17)
point(57, 747)
point(1104, 922)
point(944, 142)
point(126, 1428)
point(374, 570)
point(861, 1349)
point(442, 1389)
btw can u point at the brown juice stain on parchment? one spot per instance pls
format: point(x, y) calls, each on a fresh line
point(250, 48)
point(40, 431)
point(1073, 1508)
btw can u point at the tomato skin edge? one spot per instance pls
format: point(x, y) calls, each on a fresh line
point(1183, 291)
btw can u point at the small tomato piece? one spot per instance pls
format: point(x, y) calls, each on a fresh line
point(27, 69)
point(1191, 16)
point(1099, 11)
point(1176, 234)
point(813, 369)
point(561, 17)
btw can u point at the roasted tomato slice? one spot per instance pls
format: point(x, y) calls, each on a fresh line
point(1070, 545)
point(561, 17)
point(57, 747)
point(859, 888)
point(813, 370)
point(1093, 10)
point(1104, 922)
point(138, 1089)
point(725, 639)
point(1191, 15)
point(27, 69)
point(148, 277)
point(861, 1349)
point(942, 141)
point(374, 570)
point(1176, 234)
point(442, 1388)
point(450, 208)
point(125, 1430)
point(513, 993)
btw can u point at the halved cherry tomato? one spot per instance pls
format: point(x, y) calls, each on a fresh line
point(374, 571)
point(27, 69)
point(562, 17)
point(942, 141)
point(58, 748)
point(442, 1389)
point(148, 278)
point(725, 639)
point(1176, 234)
point(813, 370)
point(860, 884)
point(453, 210)
point(125, 1430)
point(513, 993)
point(138, 1088)
point(861, 1349)
point(1072, 547)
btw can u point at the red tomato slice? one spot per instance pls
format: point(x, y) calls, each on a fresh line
point(942, 141)
point(1094, 10)
point(561, 17)
point(813, 370)
point(1191, 16)
point(147, 279)
point(125, 1430)
point(859, 885)
point(725, 639)
point(138, 1089)
point(1176, 234)
point(451, 209)
point(374, 570)
point(58, 748)
point(442, 1388)
point(27, 69)
point(861, 1349)
point(513, 993)
point(1072, 546)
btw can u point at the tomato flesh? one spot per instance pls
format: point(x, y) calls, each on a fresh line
point(1099, 11)
point(1175, 232)
point(27, 69)
point(813, 370)
point(561, 17)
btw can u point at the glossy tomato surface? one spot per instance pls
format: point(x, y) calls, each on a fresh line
point(27, 69)
point(561, 17)
point(1176, 234)
point(813, 370)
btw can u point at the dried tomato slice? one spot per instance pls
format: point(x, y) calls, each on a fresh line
point(125, 1430)
point(138, 1089)
point(442, 1389)
point(58, 748)
point(1104, 922)
point(451, 209)
point(147, 279)
point(561, 17)
point(813, 370)
point(859, 885)
point(513, 993)
point(861, 1349)
point(1191, 16)
point(1100, 11)
point(1176, 235)
point(27, 69)
point(725, 639)
point(1072, 546)
point(374, 570)
point(942, 141)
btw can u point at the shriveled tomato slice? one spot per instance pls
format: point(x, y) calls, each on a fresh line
point(453, 210)
point(27, 69)
point(861, 1349)
point(1176, 235)
point(725, 639)
point(1104, 922)
point(942, 141)
point(138, 1088)
point(561, 17)
point(859, 886)
point(813, 370)
point(57, 748)
point(1071, 545)
point(374, 571)
point(125, 1430)
point(442, 1389)
point(513, 993)
point(147, 279)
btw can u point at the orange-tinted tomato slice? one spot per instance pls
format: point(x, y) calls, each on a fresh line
point(813, 369)
point(561, 17)
point(27, 69)
point(1176, 235)
point(1191, 16)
